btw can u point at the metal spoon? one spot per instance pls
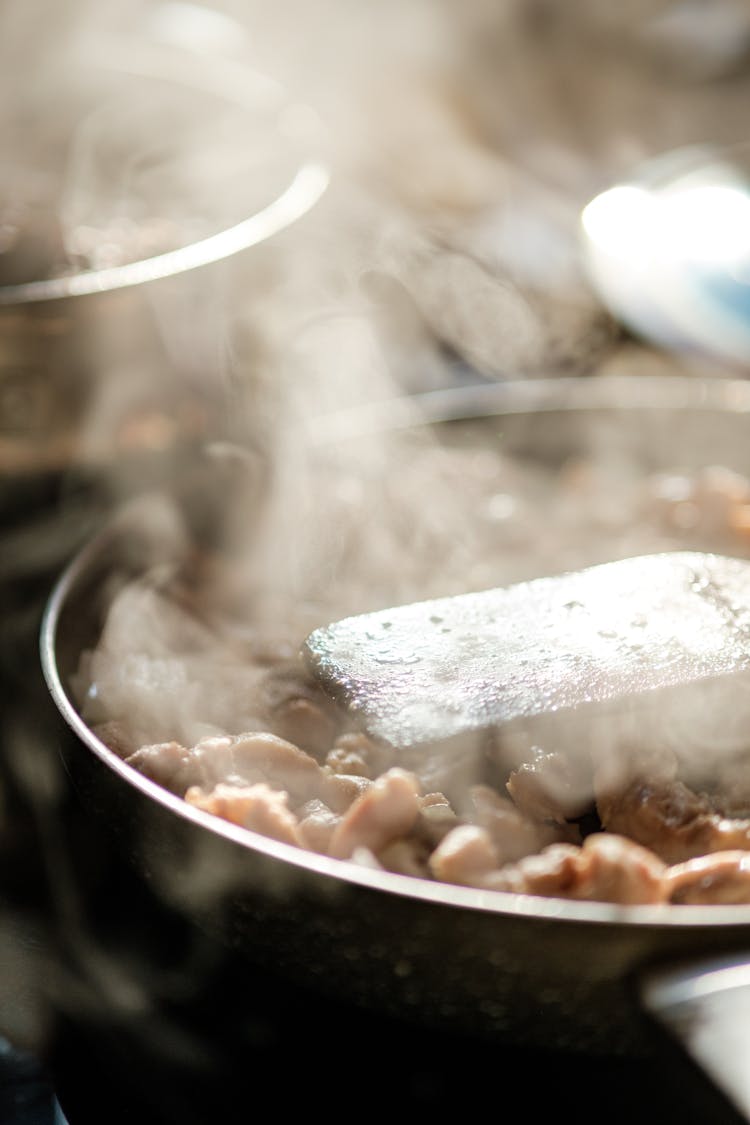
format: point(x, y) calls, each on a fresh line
point(669, 251)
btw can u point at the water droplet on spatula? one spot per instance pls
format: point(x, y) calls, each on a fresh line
point(653, 638)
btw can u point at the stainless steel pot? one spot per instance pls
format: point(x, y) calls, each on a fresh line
point(135, 174)
point(548, 972)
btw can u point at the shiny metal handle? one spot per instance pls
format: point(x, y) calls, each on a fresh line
point(705, 1006)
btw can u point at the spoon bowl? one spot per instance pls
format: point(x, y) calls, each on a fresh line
point(669, 251)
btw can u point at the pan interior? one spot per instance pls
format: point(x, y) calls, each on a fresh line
point(700, 423)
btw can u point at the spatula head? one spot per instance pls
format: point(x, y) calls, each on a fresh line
point(638, 633)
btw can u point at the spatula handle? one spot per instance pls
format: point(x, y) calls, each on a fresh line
point(705, 1007)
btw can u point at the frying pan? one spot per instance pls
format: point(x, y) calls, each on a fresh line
point(532, 971)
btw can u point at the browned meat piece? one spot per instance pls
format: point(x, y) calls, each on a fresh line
point(730, 791)
point(607, 868)
point(257, 807)
point(547, 787)
point(617, 870)
point(723, 877)
point(671, 820)
point(298, 711)
point(385, 812)
point(466, 856)
point(513, 834)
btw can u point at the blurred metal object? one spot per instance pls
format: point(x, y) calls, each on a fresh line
point(134, 173)
point(669, 252)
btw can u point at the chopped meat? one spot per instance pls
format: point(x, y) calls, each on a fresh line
point(177, 669)
point(305, 723)
point(298, 710)
point(364, 857)
point(171, 765)
point(316, 824)
point(466, 855)
point(406, 857)
point(723, 877)
point(607, 868)
point(513, 834)
point(545, 788)
point(265, 757)
point(342, 789)
point(241, 760)
point(353, 754)
point(554, 871)
point(257, 807)
point(671, 820)
point(385, 812)
point(614, 869)
point(436, 818)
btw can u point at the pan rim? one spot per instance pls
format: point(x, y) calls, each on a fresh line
point(731, 395)
point(221, 81)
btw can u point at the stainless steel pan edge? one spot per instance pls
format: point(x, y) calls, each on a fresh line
point(534, 971)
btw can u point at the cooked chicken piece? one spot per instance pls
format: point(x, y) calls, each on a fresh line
point(466, 856)
point(545, 789)
point(607, 868)
point(406, 857)
point(317, 824)
point(257, 807)
point(177, 767)
point(436, 818)
point(723, 877)
point(385, 812)
point(305, 723)
point(342, 789)
point(265, 757)
point(298, 711)
point(613, 869)
point(553, 871)
point(245, 760)
point(354, 754)
point(364, 857)
point(513, 834)
point(671, 820)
